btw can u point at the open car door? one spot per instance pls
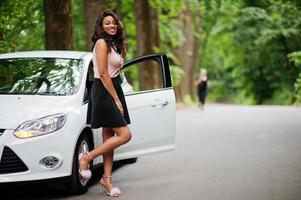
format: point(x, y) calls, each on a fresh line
point(151, 104)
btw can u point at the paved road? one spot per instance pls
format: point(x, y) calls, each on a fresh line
point(223, 153)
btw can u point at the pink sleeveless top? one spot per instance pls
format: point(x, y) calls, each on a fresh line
point(115, 62)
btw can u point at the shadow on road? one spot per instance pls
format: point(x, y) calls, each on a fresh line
point(50, 189)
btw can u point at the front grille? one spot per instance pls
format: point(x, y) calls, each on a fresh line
point(11, 163)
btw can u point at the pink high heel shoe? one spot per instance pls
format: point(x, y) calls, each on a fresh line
point(112, 192)
point(85, 173)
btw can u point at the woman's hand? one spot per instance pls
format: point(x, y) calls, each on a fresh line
point(119, 106)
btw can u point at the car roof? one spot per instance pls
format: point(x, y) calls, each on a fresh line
point(46, 54)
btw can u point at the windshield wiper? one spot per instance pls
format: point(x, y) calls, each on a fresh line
point(49, 93)
point(18, 93)
point(33, 93)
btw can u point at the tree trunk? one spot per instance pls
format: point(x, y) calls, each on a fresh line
point(147, 38)
point(1, 36)
point(196, 49)
point(92, 9)
point(185, 53)
point(118, 8)
point(189, 52)
point(252, 3)
point(58, 24)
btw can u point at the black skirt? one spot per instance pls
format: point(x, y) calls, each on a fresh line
point(102, 109)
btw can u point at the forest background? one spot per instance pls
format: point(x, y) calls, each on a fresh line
point(250, 48)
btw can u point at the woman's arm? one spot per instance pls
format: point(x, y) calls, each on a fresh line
point(101, 50)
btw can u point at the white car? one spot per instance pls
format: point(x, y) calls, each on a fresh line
point(44, 101)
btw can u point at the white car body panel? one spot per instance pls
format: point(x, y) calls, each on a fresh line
point(146, 126)
point(24, 109)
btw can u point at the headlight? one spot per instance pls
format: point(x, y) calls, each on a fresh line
point(40, 126)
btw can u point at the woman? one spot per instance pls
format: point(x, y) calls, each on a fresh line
point(202, 87)
point(109, 109)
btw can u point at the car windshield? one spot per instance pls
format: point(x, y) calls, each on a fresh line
point(40, 76)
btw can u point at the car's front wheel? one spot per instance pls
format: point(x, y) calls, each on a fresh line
point(76, 184)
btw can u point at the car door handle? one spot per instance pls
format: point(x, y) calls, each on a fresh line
point(159, 103)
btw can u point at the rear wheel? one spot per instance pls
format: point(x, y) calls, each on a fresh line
point(76, 184)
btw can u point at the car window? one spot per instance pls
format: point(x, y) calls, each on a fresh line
point(44, 76)
point(142, 77)
point(89, 82)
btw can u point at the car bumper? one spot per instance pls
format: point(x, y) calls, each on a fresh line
point(22, 159)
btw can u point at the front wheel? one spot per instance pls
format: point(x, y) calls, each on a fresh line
point(76, 184)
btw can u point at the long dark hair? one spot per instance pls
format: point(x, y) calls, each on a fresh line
point(117, 41)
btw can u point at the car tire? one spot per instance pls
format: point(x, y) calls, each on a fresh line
point(76, 184)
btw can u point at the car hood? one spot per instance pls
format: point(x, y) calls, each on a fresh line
point(16, 109)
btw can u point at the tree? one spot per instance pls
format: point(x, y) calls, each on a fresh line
point(21, 25)
point(271, 30)
point(248, 42)
point(295, 57)
point(188, 52)
point(58, 24)
point(148, 39)
point(92, 9)
point(196, 47)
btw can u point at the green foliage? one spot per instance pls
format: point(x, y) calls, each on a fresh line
point(168, 12)
point(127, 16)
point(245, 48)
point(296, 58)
point(281, 96)
point(22, 28)
point(219, 55)
point(176, 75)
point(251, 49)
point(188, 100)
point(21, 25)
point(79, 34)
point(298, 89)
point(216, 91)
point(271, 31)
point(171, 35)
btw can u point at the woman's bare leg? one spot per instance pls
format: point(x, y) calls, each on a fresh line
point(107, 157)
point(123, 135)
